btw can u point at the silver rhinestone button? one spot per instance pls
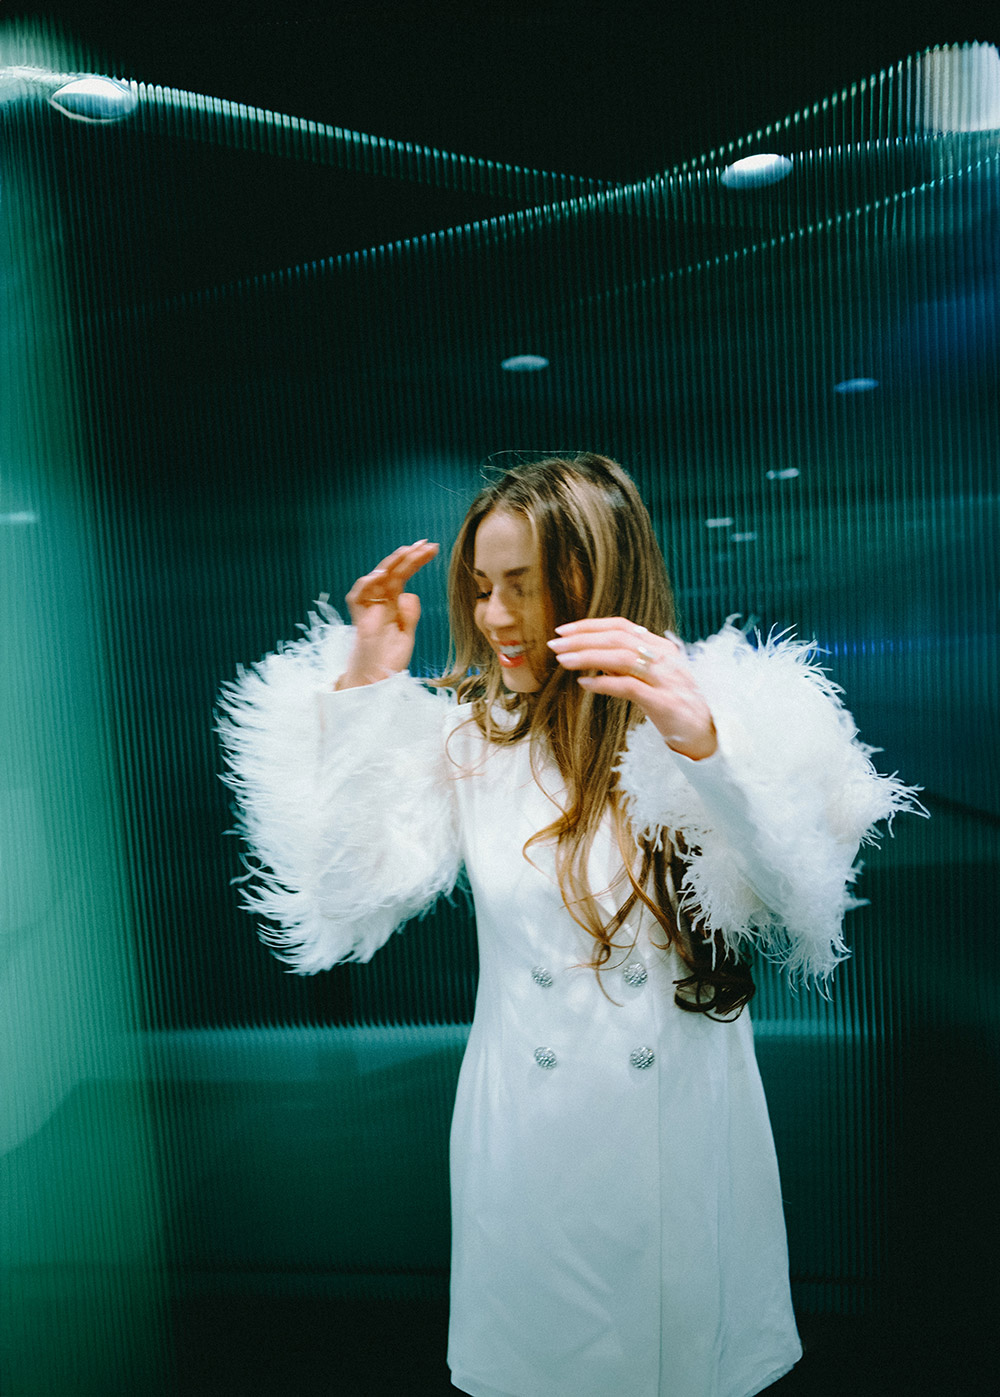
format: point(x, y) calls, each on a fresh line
point(640, 1057)
point(545, 1057)
point(634, 974)
point(542, 977)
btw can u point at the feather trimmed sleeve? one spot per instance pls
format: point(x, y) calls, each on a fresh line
point(775, 818)
point(343, 799)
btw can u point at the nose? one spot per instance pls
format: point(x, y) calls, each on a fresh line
point(496, 616)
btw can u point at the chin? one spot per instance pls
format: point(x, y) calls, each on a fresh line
point(521, 684)
point(520, 681)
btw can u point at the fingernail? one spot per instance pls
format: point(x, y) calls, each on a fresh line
point(564, 627)
point(555, 644)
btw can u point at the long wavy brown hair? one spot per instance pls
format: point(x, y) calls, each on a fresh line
point(599, 557)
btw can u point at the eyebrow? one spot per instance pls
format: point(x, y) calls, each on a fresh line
point(511, 572)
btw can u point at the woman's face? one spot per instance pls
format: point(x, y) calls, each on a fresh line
point(512, 607)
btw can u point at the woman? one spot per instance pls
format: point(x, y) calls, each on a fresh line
point(633, 817)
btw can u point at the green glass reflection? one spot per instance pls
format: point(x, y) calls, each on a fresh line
point(80, 1245)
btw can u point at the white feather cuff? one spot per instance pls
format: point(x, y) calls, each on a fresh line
point(776, 817)
point(343, 798)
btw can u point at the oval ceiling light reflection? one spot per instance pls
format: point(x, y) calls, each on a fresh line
point(754, 171)
point(748, 537)
point(856, 385)
point(788, 473)
point(720, 522)
point(525, 363)
point(95, 99)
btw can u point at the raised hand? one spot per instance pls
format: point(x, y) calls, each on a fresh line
point(385, 616)
point(649, 669)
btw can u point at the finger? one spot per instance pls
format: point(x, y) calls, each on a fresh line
point(374, 588)
point(616, 662)
point(630, 631)
point(600, 623)
point(598, 657)
point(385, 582)
point(609, 652)
point(616, 685)
point(611, 638)
point(401, 565)
point(393, 557)
point(417, 556)
point(621, 662)
point(400, 554)
point(408, 612)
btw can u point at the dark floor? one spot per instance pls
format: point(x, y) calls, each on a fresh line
point(304, 1348)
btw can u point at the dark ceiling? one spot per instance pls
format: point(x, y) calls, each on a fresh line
point(616, 97)
point(614, 91)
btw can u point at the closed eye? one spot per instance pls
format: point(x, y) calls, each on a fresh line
point(515, 589)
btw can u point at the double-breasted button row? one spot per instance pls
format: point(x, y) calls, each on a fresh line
point(640, 1058)
point(635, 975)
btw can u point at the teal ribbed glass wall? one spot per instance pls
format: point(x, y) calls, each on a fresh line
point(225, 390)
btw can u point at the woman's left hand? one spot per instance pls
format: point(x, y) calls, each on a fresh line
point(649, 669)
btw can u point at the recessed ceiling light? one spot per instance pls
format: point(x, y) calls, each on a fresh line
point(95, 99)
point(755, 170)
point(719, 523)
point(789, 473)
point(856, 385)
point(525, 363)
point(742, 538)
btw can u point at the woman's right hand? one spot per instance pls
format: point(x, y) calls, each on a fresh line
point(385, 616)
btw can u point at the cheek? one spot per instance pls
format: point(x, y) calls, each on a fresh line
point(541, 620)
